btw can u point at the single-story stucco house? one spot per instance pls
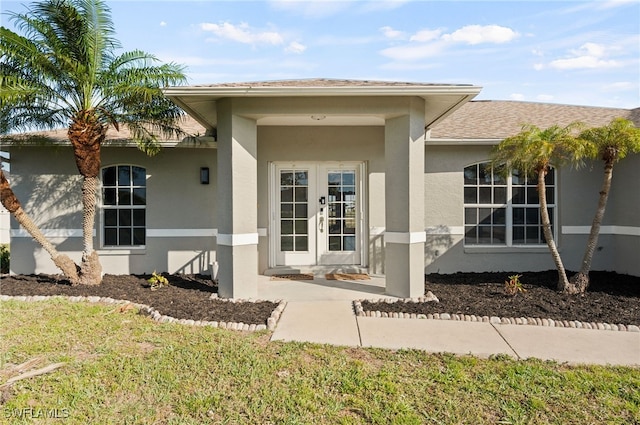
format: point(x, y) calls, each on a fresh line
point(300, 175)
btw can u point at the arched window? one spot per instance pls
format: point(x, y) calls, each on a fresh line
point(501, 210)
point(124, 200)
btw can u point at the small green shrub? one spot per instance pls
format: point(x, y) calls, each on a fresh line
point(157, 281)
point(4, 258)
point(513, 285)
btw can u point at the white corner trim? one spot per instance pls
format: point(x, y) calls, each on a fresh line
point(238, 239)
point(604, 230)
point(405, 237)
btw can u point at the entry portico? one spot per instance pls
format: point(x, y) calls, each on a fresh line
point(318, 204)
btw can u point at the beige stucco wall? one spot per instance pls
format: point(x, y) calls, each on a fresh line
point(47, 184)
point(577, 200)
point(181, 212)
point(282, 143)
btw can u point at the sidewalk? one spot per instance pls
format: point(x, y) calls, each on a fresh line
point(330, 319)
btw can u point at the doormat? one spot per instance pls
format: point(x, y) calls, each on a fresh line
point(297, 276)
point(347, 276)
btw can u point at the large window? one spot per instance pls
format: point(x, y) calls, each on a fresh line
point(501, 210)
point(124, 199)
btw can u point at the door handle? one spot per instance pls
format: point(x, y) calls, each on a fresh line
point(321, 224)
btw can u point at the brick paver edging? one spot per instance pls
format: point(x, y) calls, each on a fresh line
point(156, 316)
point(357, 306)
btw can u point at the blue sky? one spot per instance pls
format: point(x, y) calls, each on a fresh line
point(571, 52)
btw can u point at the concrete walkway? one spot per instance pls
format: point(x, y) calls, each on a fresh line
point(322, 312)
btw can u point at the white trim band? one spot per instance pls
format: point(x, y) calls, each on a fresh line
point(238, 239)
point(405, 237)
point(604, 230)
point(151, 233)
point(445, 230)
point(181, 233)
point(49, 233)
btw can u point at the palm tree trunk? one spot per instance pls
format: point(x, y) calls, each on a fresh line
point(12, 204)
point(548, 234)
point(86, 134)
point(90, 269)
point(580, 281)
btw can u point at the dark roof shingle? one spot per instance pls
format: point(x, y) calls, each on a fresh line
point(497, 119)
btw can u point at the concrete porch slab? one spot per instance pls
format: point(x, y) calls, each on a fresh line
point(320, 289)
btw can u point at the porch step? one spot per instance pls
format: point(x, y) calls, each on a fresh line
point(319, 271)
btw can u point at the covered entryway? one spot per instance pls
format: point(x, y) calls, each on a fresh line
point(317, 214)
point(335, 228)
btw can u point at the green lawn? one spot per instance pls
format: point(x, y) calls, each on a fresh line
point(124, 368)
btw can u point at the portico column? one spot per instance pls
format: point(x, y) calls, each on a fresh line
point(237, 204)
point(404, 202)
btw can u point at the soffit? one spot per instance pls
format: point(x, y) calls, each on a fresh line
point(200, 101)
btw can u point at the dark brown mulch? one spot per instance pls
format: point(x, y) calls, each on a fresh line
point(611, 298)
point(187, 296)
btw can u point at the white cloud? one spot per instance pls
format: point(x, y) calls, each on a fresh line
point(392, 34)
point(588, 56)
point(477, 34)
point(424, 36)
point(163, 24)
point(516, 96)
point(295, 47)
point(243, 33)
point(431, 42)
point(413, 51)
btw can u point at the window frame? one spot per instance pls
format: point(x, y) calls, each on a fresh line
point(509, 207)
point(132, 206)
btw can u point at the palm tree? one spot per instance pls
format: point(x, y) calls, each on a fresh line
point(533, 151)
point(612, 143)
point(65, 72)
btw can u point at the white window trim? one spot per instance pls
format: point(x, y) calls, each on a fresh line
point(131, 249)
point(509, 246)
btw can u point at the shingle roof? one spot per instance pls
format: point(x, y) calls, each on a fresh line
point(492, 119)
point(497, 119)
point(327, 83)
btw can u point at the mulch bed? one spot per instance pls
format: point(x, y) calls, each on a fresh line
point(187, 296)
point(611, 298)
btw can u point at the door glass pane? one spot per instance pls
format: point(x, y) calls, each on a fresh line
point(342, 210)
point(349, 243)
point(302, 243)
point(286, 178)
point(301, 178)
point(301, 227)
point(301, 211)
point(334, 243)
point(286, 210)
point(286, 227)
point(294, 187)
point(286, 243)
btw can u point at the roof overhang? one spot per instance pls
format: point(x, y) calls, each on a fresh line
point(440, 101)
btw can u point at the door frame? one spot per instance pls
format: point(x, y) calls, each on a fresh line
point(363, 211)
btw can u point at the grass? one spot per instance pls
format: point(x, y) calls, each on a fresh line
point(124, 368)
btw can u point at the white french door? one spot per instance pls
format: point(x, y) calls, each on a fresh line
point(316, 211)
